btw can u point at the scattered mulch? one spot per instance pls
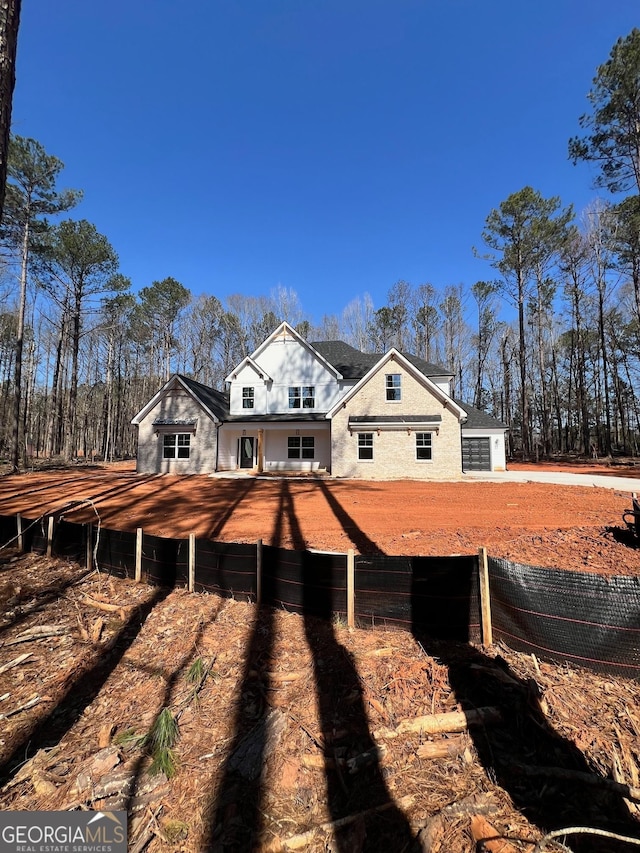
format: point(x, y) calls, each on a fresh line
point(294, 728)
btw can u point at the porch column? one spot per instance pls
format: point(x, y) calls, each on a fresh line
point(260, 451)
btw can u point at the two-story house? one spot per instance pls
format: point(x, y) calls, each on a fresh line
point(298, 406)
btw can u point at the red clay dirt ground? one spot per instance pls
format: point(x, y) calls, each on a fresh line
point(570, 527)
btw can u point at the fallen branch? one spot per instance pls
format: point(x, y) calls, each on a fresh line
point(541, 846)
point(626, 791)
point(453, 721)
point(303, 839)
point(147, 833)
point(39, 632)
point(442, 748)
point(30, 704)
point(15, 662)
point(107, 608)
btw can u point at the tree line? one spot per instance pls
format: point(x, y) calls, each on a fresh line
point(81, 351)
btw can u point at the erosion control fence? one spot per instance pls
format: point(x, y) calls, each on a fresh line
point(561, 615)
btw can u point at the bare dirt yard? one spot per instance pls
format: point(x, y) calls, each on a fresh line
point(551, 526)
point(288, 733)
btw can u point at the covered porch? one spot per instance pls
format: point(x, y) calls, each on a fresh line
point(260, 445)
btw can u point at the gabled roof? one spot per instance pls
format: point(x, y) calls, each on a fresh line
point(215, 403)
point(354, 364)
point(284, 330)
point(247, 360)
point(394, 355)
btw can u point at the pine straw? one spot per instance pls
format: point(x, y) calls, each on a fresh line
point(370, 680)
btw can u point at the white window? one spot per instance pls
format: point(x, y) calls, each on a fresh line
point(423, 446)
point(394, 387)
point(365, 445)
point(302, 397)
point(300, 447)
point(176, 446)
point(247, 397)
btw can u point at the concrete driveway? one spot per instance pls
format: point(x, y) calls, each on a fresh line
point(620, 484)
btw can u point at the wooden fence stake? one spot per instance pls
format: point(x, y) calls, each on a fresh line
point(351, 578)
point(50, 536)
point(259, 571)
point(138, 554)
point(192, 561)
point(89, 535)
point(485, 598)
point(19, 531)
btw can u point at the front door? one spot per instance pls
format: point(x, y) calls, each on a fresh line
point(246, 452)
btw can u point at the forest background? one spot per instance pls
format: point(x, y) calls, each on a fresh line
point(549, 342)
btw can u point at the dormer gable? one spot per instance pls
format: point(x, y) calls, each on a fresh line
point(246, 366)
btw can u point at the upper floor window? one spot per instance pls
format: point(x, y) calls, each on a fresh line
point(176, 446)
point(247, 397)
point(393, 386)
point(423, 445)
point(302, 397)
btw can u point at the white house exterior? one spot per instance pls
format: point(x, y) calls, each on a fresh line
point(296, 406)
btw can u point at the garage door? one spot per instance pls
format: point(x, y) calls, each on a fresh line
point(476, 454)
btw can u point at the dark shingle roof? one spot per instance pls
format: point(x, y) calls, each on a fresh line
point(351, 363)
point(354, 364)
point(215, 401)
point(479, 420)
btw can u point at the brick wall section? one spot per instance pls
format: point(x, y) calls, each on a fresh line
point(394, 452)
point(177, 405)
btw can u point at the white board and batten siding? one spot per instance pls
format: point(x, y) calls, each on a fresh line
point(286, 363)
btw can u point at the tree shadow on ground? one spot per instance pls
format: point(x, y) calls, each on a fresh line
point(344, 722)
point(358, 537)
point(517, 753)
point(81, 691)
point(237, 822)
point(235, 816)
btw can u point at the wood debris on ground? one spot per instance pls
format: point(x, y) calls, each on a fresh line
point(294, 733)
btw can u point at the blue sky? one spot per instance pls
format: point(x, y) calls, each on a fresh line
point(329, 146)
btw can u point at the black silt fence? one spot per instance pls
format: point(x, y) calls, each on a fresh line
point(228, 570)
point(115, 551)
point(69, 541)
point(8, 530)
point(165, 562)
point(304, 581)
point(438, 596)
point(585, 619)
point(35, 535)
